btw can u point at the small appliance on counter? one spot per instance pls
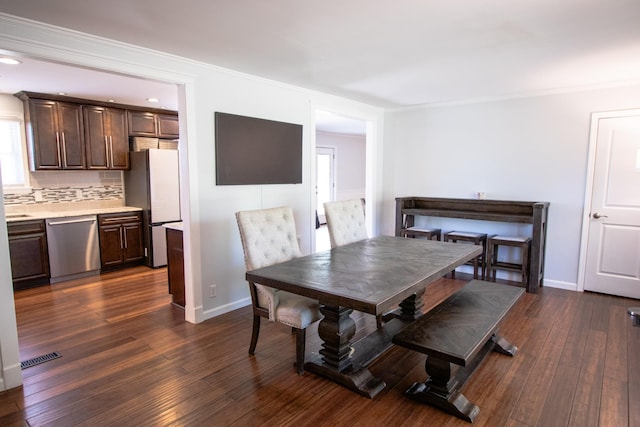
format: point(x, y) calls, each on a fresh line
point(153, 184)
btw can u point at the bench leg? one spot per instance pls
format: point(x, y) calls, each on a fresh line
point(442, 390)
point(503, 346)
point(442, 387)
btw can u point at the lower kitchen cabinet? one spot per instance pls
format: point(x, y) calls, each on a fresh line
point(29, 254)
point(121, 240)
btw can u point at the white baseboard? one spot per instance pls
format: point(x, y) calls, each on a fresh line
point(208, 314)
point(560, 285)
point(11, 377)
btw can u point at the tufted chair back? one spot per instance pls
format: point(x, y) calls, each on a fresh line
point(269, 237)
point(345, 221)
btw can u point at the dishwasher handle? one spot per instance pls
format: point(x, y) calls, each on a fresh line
point(72, 221)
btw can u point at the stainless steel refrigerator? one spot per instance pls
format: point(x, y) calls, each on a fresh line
point(153, 184)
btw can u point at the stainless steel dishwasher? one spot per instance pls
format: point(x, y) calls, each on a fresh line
point(74, 250)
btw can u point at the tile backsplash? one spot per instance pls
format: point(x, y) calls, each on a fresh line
point(67, 190)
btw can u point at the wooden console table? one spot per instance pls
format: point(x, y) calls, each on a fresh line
point(535, 213)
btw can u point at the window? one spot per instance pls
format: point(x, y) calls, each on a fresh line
point(12, 160)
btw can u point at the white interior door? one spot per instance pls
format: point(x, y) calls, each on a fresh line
point(612, 263)
point(325, 179)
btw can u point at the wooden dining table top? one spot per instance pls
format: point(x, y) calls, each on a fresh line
point(373, 275)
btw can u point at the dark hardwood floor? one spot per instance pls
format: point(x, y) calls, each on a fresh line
point(129, 359)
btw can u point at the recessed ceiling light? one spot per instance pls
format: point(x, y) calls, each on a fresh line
point(111, 100)
point(62, 93)
point(153, 99)
point(9, 61)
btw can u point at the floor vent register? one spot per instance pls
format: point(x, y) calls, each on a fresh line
point(40, 359)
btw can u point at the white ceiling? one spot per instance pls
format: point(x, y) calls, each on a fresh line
point(390, 54)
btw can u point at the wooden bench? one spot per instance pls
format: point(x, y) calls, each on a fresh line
point(456, 336)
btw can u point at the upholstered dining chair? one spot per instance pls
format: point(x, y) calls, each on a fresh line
point(346, 224)
point(345, 221)
point(269, 237)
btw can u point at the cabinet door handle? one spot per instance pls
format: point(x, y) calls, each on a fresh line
point(64, 150)
point(121, 219)
point(106, 151)
point(58, 148)
point(124, 230)
point(111, 149)
point(121, 240)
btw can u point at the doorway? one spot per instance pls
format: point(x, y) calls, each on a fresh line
point(610, 255)
point(103, 79)
point(341, 147)
point(325, 179)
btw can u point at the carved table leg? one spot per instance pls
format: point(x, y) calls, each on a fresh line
point(336, 330)
point(337, 362)
point(411, 308)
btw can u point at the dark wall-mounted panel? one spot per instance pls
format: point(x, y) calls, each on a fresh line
point(252, 151)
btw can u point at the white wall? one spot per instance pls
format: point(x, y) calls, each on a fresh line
point(10, 371)
point(213, 252)
point(350, 151)
point(522, 149)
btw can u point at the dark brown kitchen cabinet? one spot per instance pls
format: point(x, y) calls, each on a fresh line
point(28, 253)
point(168, 126)
point(144, 123)
point(55, 134)
point(106, 137)
point(121, 240)
point(175, 266)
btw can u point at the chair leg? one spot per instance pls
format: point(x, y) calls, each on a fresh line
point(300, 345)
point(254, 334)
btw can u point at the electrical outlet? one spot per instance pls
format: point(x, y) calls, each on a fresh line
point(212, 291)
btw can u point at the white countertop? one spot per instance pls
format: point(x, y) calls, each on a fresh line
point(13, 217)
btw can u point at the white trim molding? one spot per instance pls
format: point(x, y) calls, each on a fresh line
point(586, 213)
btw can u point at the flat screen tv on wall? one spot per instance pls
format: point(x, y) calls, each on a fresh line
point(253, 151)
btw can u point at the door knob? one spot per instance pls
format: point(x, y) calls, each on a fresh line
point(597, 215)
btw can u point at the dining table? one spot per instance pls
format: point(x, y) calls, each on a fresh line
point(382, 275)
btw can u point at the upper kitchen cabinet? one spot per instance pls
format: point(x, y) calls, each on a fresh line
point(54, 134)
point(168, 126)
point(64, 132)
point(144, 123)
point(106, 137)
